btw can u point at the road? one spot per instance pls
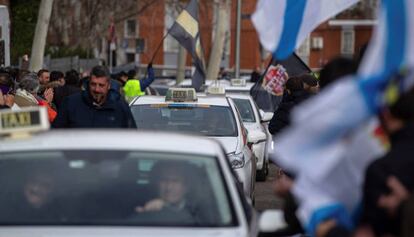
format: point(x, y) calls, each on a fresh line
point(265, 197)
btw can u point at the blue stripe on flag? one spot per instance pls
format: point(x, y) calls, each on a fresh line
point(397, 33)
point(396, 26)
point(294, 13)
point(335, 211)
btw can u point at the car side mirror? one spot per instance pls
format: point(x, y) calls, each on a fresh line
point(266, 116)
point(255, 137)
point(271, 221)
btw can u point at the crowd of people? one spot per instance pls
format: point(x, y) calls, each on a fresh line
point(98, 101)
point(95, 100)
point(386, 206)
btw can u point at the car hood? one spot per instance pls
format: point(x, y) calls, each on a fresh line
point(229, 143)
point(117, 231)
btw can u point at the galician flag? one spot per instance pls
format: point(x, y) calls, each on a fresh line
point(328, 145)
point(283, 25)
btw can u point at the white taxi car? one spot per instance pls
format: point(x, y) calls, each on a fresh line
point(187, 83)
point(255, 122)
point(105, 183)
point(213, 116)
point(239, 86)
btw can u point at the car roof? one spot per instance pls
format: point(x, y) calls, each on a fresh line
point(218, 100)
point(247, 87)
point(188, 82)
point(239, 96)
point(112, 140)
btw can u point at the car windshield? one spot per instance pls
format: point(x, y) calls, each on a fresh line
point(245, 109)
point(95, 187)
point(214, 121)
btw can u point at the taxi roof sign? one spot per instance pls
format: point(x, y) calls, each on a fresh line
point(25, 120)
point(238, 82)
point(181, 95)
point(216, 90)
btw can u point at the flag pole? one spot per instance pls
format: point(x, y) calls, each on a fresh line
point(159, 46)
point(156, 51)
point(238, 31)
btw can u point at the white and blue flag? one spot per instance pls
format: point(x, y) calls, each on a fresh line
point(328, 145)
point(284, 24)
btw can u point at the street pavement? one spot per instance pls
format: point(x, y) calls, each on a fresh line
point(265, 196)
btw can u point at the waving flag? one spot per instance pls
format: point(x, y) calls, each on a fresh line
point(267, 101)
point(284, 24)
point(325, 145)
point(186, 31)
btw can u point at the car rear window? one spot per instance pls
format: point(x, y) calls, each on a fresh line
point(213, 121)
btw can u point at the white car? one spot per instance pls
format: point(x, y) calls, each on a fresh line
point(255, 123)
point(231, 86)
point(105, 183)
point(188, 82)
point(213, 116)
point(239, 86)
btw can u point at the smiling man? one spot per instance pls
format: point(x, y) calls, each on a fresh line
point(98, 106)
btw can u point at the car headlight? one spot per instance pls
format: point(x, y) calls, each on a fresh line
point(236, 160)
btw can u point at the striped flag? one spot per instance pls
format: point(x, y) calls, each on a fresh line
point(328, 144)
point(284, 24)
point(186, 31)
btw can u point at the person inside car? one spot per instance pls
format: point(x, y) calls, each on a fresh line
point(175, 201)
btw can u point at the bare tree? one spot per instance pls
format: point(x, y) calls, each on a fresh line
point(84, 23)
point(219, 38)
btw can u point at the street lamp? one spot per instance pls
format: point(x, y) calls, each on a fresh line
point(238, 29)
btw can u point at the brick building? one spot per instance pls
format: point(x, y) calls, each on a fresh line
point(148, 29)
point(343, 35)
point(138, 37)
point(334, 38)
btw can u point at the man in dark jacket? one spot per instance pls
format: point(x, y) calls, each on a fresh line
point(396, 166)
point(70, 87)
point(96, 107)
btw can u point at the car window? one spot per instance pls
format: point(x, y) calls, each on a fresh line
point(258, 110)
point(217, 121)
point(161, 89)
point(245, 109)
point(90, 187)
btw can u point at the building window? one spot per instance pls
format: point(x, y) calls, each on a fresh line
point(130, 29)
point(130, 57)
point(348, 41)
point(304, 50)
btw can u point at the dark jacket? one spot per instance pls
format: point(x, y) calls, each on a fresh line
point(281, 117)
point(255, 76)
point(148, 80)
point(398, 162)
point(407, 225)
point(61, 92)
point(79, 111)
